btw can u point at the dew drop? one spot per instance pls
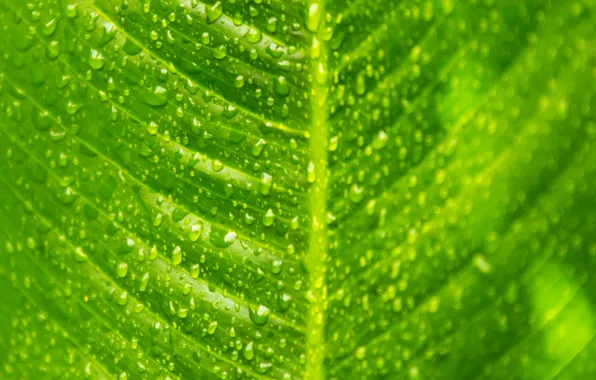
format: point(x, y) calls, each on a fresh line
point(49, 27)
point(196, 230)
point(220, 52)
point(177, 255)
point(96, 60)
point(313, 16)
point(122, 299)
point(122, 270)
point(214, 12)
point(212, 327)
point(158, 97)
point(79, 255)
point(266, 183)
point(259, 314)
point(254, 35)
point(311, 174)
point(257, 149)
point(249, 351)
point(282, 87)
point(195, 270)
point(268, 218)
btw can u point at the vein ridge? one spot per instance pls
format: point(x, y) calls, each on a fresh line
point(316, 256)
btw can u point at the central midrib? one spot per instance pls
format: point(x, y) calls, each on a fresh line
point(317, 254)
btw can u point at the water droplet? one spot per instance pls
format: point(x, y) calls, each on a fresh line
point(158, 97)
point(49, 27)
point(313, 16)
point(72, 107)
point(258, 147)
point(196, 230)
point(214, 12)
point(380, 140)
point(177, 255)
point(217, 166)
point(220, 52)
point(79, 255)
point(131, 48)
point(272, 25)
point(195, 127)
point(356, 193)
point(282, 87)
point(276, 267)
point(259, 314)
point(67, 196)
point(265, 185)
point(482, 264)
point(239, 81)
point(361, 353)
point(221, 238)
point(144, 281)
point(195, 270)
point(360, 84)
point(126, 246)
point(284, 301)
point(71, 10)
point(253, 35)
point(153, 253)
point(212, 327)
point(122, 270)
point(122, 299)
point(311, 174)
point(249, 351)
point(268, 218)
point(157, 220)
point(96, 60)
point(53, 50)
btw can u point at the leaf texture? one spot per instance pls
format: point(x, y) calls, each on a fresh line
point(301, 189)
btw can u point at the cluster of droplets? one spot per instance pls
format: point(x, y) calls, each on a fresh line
point(208, 149)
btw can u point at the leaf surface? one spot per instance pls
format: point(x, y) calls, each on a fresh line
point(303, 189)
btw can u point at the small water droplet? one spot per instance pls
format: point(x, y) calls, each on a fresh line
point(258, 147)
point(266, 183)
point(268, 218)
point(311, 174)
point(249, 351)
point(212, 327)
point(196, 230)
point(195, 270)
point(122, 299)
point(177, 255)
point(79, 255)
point(49, 27)
point(122, 270)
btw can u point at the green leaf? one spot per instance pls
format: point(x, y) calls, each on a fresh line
point(297, 189)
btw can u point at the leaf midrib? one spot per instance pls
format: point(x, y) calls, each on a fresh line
point(316, 256)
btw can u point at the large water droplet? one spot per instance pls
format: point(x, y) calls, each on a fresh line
point(96, 60)
point(158, 97)
point(214, 12)
point(313, 16)
point(259, 314)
